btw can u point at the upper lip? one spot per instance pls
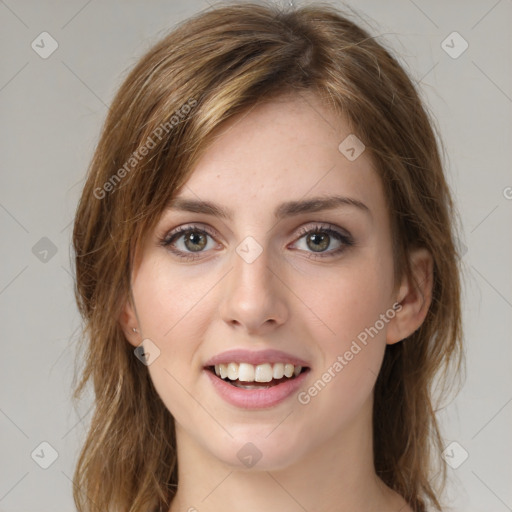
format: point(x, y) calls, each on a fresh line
point(255, 357)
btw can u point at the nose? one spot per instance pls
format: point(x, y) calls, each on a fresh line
point(255, 295)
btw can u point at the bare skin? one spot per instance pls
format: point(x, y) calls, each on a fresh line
point(314, 455)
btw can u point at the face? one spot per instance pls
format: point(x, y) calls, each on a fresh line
point(282, 277)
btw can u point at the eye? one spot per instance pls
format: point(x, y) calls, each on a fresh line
point(318, 239)
point(187, 240)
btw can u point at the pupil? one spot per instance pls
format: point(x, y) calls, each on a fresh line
point(322, 239)
point(195, 238)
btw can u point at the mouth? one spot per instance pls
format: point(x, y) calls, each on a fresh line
point(256, 377)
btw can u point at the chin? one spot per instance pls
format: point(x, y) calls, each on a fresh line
point(252, 451)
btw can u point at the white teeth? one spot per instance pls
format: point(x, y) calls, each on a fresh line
point(263, 373)
point(245, 372)
point(232, 371)
point(288, 370)
point(278, 372)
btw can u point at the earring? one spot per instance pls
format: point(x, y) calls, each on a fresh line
point(134, 330)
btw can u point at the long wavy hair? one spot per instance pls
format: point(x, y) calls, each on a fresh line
point(213, 66)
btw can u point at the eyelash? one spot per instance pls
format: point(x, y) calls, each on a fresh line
point(346, 240)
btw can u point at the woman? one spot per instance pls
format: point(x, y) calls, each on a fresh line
point(266, 267)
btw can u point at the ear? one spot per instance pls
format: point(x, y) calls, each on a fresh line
point(128, 322)
point(414, 297)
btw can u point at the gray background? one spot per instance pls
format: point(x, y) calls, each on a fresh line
point(51, 113)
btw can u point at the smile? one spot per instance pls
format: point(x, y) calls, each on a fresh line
point(271, 374)
point(261, 386)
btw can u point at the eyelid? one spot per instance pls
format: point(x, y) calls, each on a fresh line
point(168, 235)
point(324, 226)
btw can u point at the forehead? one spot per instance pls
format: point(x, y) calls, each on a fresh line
point(286, 149)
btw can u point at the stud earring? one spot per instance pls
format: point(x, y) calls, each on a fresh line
point(134, 330)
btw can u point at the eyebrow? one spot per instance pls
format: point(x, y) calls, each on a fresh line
point(286, 209)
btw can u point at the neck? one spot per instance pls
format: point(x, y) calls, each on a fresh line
point(337, 475)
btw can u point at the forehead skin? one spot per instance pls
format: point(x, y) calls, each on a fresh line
point(282, 150)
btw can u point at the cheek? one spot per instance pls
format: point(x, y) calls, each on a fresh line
point(170, 304)
point(351, 314)
point(348, 300)
point(172, 316)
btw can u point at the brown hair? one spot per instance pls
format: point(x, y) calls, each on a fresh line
point(211, 67)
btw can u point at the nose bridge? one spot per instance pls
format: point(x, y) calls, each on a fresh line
point(252, 265)
point(254, 297)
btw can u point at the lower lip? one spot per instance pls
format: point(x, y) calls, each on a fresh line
point(256, 398)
